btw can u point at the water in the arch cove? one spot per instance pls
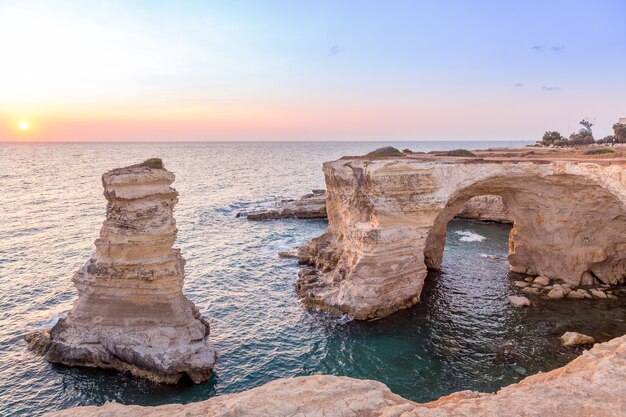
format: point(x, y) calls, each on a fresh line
point(463, 335)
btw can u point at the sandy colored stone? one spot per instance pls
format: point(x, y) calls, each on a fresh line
point(519, 301)
point(309, 206)
point(557, 292)
point(486, 208)
point(530, 290)
point(387, 224)
point(521, 284)
point(590, 385)
point(131, 314)
point(541, 280)
point(575, 295)
point(574, 339)
point(597, 293)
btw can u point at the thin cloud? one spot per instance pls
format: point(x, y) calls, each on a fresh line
point(519, 85)
point(550, 88)
point(336, 49)
point(542, 48)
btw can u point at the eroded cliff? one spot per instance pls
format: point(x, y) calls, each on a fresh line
point(131, 314)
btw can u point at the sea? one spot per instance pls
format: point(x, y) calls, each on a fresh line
point(463, 335)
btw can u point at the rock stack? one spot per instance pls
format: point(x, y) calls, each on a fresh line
point(131, 314)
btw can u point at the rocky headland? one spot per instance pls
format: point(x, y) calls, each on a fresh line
point(131, 314)
point(309, 206)
point(388, 216)
point(490, 208)
point(590, 385)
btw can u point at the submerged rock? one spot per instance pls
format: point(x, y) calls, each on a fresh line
point(519, 301)
point(574, 339)
point(131, 314)
point(590, 385)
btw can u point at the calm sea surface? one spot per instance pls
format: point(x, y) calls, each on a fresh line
point(464, 334)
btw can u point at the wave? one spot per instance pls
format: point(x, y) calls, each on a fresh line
point(467, 236)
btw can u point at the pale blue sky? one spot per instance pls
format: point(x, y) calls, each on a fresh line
point(327, 70)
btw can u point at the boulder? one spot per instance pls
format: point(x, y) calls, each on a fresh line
point(574, 339)
point(598, 293)
point(519, 301)
point(557, 292)
point(541, 280)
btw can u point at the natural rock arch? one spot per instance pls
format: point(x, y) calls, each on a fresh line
point(387, 221)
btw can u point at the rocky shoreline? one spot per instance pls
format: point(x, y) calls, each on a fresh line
point(590, 385)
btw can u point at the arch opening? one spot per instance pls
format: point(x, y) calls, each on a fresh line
point(564, 227)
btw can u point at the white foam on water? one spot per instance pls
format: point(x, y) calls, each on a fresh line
point(467, 236)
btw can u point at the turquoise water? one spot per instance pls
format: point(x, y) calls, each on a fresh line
point(464, 335)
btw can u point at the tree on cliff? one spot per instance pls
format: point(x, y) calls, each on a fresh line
point(607, 139)
point(581, 138)
point(552, 138)
point(620, 133)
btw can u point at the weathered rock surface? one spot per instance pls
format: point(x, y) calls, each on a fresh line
point(387, 224)
point(309, 206)
point(486, 208)
point(518, 301)
point(574, 339)
point(313, 206)
point(590, 385)
point(131, 314)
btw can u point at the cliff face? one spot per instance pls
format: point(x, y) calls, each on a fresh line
point(486, 208)
point(388, 217)
point(130, 313)
point(590, 385)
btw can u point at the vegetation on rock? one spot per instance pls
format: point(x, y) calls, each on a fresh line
point(384, 151)
point(599, 151)
point(460, 152)
point(155, 163)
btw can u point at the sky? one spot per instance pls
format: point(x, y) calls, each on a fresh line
point(314, 70)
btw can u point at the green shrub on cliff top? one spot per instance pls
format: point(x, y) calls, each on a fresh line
point(385, 151)
point(459, 152)
point(599, 151)
point(155, 163)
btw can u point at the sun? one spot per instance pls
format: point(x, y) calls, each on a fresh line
point(24, 125)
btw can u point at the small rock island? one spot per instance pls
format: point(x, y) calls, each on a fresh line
point(131, 314)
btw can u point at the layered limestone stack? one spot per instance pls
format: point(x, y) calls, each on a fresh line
point(387, 225)
point(590, 385)
point(131, 314)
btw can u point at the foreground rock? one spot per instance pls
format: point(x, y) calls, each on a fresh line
point(131, 314)
point(574, 339)
point(309, 206)
point(388, 216)
point(590, 385)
